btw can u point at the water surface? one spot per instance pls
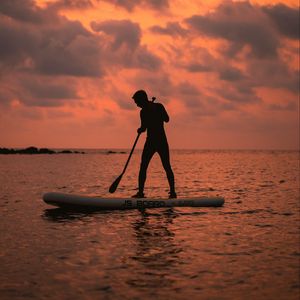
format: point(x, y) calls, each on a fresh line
point(248, 249)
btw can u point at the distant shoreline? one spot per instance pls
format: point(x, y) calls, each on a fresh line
point(34, 150)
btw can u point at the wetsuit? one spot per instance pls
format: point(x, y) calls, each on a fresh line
point(153, 116)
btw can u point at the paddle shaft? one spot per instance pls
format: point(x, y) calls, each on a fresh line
point(127, 162)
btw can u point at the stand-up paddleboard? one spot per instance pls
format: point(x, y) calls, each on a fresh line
point(77, 201)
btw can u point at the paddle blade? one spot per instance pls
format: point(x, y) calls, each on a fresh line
point(115, 184)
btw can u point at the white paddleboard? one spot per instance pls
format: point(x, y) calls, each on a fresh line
point(77, 201)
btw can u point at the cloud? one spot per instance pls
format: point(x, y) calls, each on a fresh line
point(130, 5)
point(240, 23)
point(274, 74)
point(285, 18)
point(238, 95)
point(27, 11)
point(122, 99)
point(187, 89)
point(61, 52)
point(81, 56)
point(31, 90)
point(155, 84)
point(157, 4)
point(62, 48)
point(40, 60)
point(71, 4)
point(203, 61)
point(38, 93)
point(123, 45)
point(172, 29)
point(197, 67)
point(124, 32)
point(231, 74)
point(17, 43)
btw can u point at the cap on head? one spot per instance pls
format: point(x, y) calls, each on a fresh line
point(140, 95)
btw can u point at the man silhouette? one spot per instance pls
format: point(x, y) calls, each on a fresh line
point(153, 116)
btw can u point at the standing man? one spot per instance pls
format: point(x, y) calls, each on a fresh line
point(153, 116)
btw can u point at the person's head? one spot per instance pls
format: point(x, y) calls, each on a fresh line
point(140, 98)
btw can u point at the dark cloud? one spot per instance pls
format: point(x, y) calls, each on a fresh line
point(155, 84)
point(172, 29)
point(130, 5)
point(32, 90)
point(286, 19)
point(237, 96)
point(124, 45)
point(62, 48)
point(80, 57)
point(39, 60)
point(231, 74)
point(202, 60)
point(197, 67)
point(290, 106)
point(205, 62)
point(144, 59)
point(121, 98)
point(241, 24)
point(157, 4)
point(187, 89)
point(37, 93)
point(273, 74)
point(17, 43)
point(71, 4)
point(27, 11)
point(123, 32)
point(202, 105)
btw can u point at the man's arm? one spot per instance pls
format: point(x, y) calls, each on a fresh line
point(143, 123)
point(165, 115)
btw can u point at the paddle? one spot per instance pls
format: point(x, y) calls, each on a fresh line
point(115, 184)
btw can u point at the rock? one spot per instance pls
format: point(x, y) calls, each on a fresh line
point(29, 150)
point(66, 152)
point(46, 151)
point(115, 152)
point(7, 151)
point(111, 152)
point(35, 150)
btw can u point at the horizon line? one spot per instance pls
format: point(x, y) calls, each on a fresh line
point(123, 148)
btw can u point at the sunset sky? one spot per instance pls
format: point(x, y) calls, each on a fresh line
point(226, 71)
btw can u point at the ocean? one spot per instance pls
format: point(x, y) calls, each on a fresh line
point(247, 249)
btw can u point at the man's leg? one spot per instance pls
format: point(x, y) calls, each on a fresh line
point(165, 159)
point(146, 157)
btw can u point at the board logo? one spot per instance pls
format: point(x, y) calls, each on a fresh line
point(127, 203)
point(151, 203)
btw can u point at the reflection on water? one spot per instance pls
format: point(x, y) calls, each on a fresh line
point(62, 215)
point(156, 250)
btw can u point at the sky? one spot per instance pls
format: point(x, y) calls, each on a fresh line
point(227, 72)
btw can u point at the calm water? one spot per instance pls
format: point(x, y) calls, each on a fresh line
point(248, 249)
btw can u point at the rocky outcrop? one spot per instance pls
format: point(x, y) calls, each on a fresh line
point(35, 150)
